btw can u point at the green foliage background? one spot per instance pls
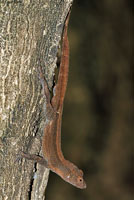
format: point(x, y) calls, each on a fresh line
point(97, 120)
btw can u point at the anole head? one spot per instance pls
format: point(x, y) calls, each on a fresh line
point(76, 178)
point(73, 175)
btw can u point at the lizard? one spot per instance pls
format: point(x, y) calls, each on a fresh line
point(53, 157)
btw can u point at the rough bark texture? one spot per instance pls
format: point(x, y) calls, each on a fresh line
point(29, 31)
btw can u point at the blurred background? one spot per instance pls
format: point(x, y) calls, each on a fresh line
point(97, 119)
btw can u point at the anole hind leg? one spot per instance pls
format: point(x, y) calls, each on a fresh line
point(49, 109)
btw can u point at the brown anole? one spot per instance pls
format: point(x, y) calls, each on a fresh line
point(51, 143)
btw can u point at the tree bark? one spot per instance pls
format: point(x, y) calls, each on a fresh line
point(30, 34)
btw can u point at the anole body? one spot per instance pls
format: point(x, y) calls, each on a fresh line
point(51, 143)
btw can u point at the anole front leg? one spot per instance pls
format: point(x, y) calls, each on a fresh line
point(51, 143)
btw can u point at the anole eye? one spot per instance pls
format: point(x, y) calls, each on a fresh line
point(80, 180)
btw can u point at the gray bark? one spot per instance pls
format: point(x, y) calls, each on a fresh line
point(29, 31)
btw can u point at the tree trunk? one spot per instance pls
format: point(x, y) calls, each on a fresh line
point(29, 36)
